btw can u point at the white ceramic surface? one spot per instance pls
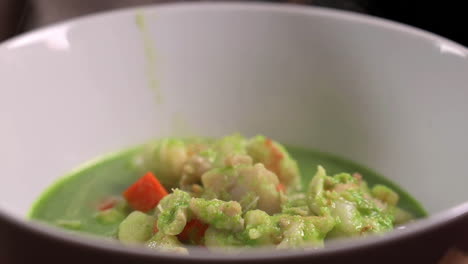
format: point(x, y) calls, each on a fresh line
point(384, 95)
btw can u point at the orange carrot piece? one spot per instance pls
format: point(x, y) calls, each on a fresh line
point(155, 227)
point(281, 188)
point(145, 193)
point(194, 232)
point(276, 157)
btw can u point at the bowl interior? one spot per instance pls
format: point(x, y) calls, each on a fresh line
point(383, 95)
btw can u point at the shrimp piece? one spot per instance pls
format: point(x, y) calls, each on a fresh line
point(237, 183)
point(344, 198)
point(276, 159)
point(217, 213)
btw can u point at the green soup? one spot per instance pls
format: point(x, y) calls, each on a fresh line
point(72, 202)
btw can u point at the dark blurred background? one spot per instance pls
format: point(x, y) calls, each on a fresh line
point(445, 18)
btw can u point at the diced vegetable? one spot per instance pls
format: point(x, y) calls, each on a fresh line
point(402, 216)
point(145, 193)
point(155, 227)
point(109, 216)
point(276, 157)
point(173, 212)
point(136, 228)
point(385, 194)
point(193, 233)
point(168, 158)
point(280, 187)
point(166, 243)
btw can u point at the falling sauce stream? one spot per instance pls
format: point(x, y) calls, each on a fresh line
point(150, 56)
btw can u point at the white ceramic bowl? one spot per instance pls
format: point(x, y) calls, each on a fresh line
point(377, 92)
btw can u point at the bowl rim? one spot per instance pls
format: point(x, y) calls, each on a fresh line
point(428, 224)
